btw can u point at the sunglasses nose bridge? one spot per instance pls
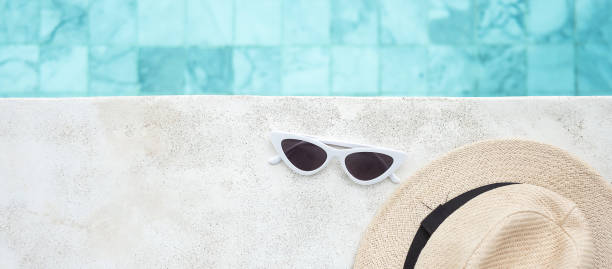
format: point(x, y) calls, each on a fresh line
point(335, 154)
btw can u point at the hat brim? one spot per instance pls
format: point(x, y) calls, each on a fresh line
point(388, 238)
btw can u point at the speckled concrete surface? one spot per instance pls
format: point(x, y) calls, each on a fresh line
point(167, 182)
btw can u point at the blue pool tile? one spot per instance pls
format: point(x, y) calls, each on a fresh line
point(451, 21)
point(550, 70)
point(112, 22)
point(305, 71)
point(257, 71)
point(354, 22)
point(306, 22)
point(305, 47)
point(403, 22)
point(354, 71)
point(504, 70)
point(161, 70)
point(593, 20)
point(18, 69)
point(113, 70)
point(594, 65)
point(258, 22)
point(19, 21)
point(63, 70)
point(64, 22)
point(403, 71)
point(452, 71)
point(209, 22)
point(209, 70)
point(551, 21)
point(501, 21)
point(161, 22)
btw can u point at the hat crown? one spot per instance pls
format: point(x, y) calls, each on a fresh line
point(515, 226)
point(388, 239)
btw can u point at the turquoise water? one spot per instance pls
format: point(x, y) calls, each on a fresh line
point(305, 47)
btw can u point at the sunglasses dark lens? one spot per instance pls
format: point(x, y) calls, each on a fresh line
point(367, 165)
point(305, 156)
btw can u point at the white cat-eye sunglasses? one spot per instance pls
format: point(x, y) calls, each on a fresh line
point(307, 155)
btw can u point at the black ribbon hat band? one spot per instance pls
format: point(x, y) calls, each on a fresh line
point(437, 216)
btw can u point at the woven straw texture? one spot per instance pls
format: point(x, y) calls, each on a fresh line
point(387, 239)
point(516, 226)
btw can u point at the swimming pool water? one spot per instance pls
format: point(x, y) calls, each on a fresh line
point(305, 47)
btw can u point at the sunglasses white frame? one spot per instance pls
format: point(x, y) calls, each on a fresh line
point(398, 156)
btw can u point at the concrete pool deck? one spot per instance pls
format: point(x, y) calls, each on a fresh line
point(183, 181)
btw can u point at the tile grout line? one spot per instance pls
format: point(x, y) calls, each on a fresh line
point(427, 46)
point(88, 49)
point(233, 47)
point(137, 44)
point(330, 63)
point(39, 77)
point(575, 51)
point(378, 48)
point(477, 44)
point(282, 42)
point(186, 88)
point(527, 45)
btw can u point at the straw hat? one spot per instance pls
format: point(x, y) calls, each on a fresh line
point(499, 204)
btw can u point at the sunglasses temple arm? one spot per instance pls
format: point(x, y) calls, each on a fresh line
point(394, 178)
point(274, 160)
